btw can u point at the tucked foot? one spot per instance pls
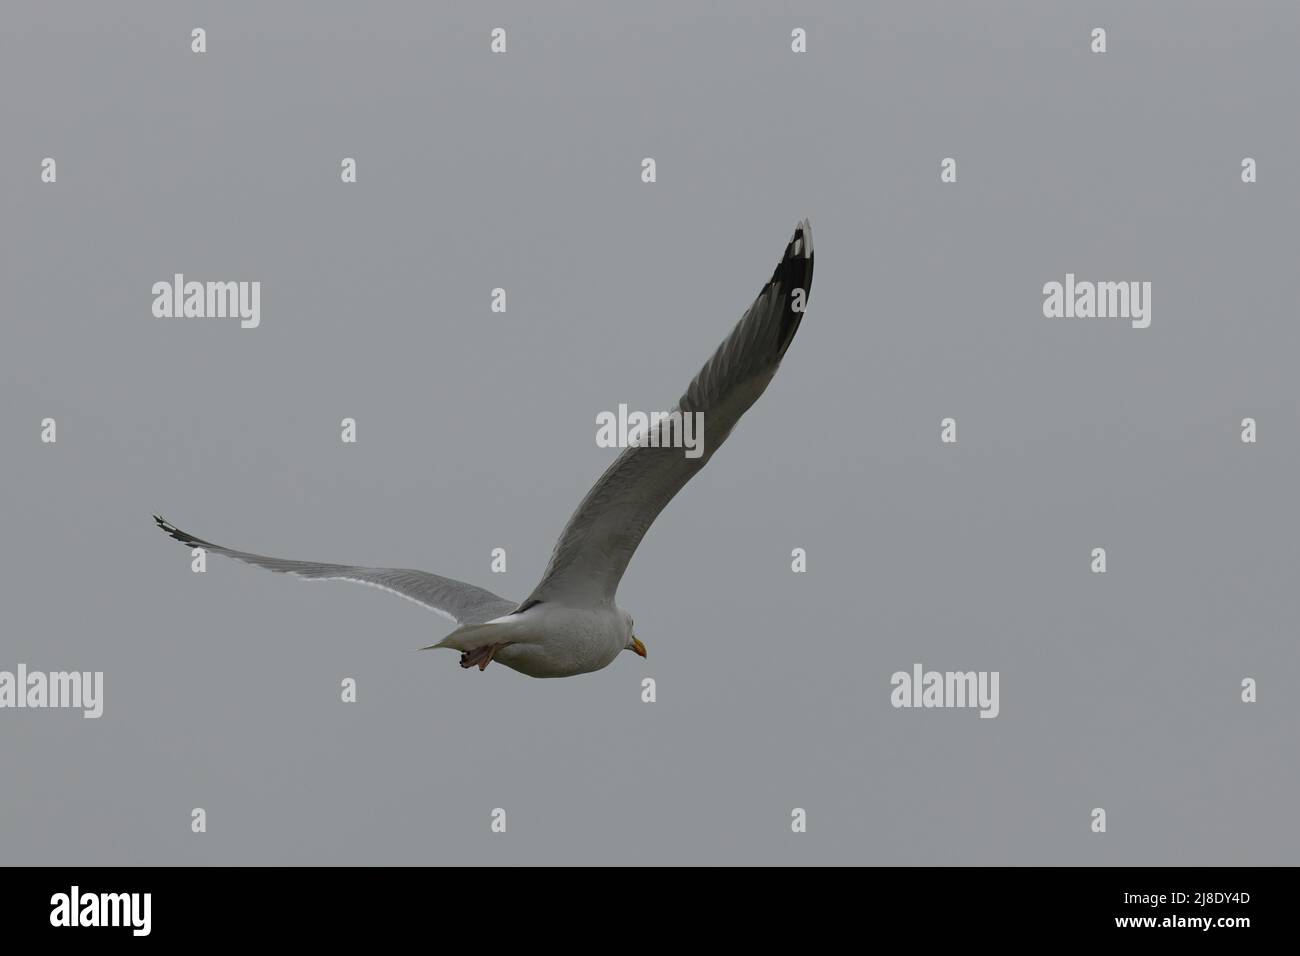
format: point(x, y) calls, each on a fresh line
point(482, 656)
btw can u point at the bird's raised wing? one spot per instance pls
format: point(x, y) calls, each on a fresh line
point(461, 602)
point(598, 542)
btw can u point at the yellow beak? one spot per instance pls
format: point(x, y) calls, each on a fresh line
point(637, 647)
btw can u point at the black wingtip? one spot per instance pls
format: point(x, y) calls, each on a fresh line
point(801, 244)
point(172, 531)
point(794, 273)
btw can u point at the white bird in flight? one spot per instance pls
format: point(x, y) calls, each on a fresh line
point(570, 623)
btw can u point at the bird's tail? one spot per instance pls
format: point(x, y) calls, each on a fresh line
point(472, 636)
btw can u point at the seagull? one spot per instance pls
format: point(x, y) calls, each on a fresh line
point(570, 624)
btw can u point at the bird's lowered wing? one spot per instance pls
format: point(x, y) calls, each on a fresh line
point(461, 602)
point(598, 542)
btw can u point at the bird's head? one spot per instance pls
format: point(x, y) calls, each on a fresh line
point(633, 644)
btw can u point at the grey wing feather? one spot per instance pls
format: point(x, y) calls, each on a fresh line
point(596, 545)
point(461, 602)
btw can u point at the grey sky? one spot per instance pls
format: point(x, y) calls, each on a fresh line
point(476, 430)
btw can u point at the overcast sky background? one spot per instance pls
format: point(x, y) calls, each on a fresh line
point(476, 430)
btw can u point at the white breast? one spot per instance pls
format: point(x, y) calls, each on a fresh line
point(556, 641)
